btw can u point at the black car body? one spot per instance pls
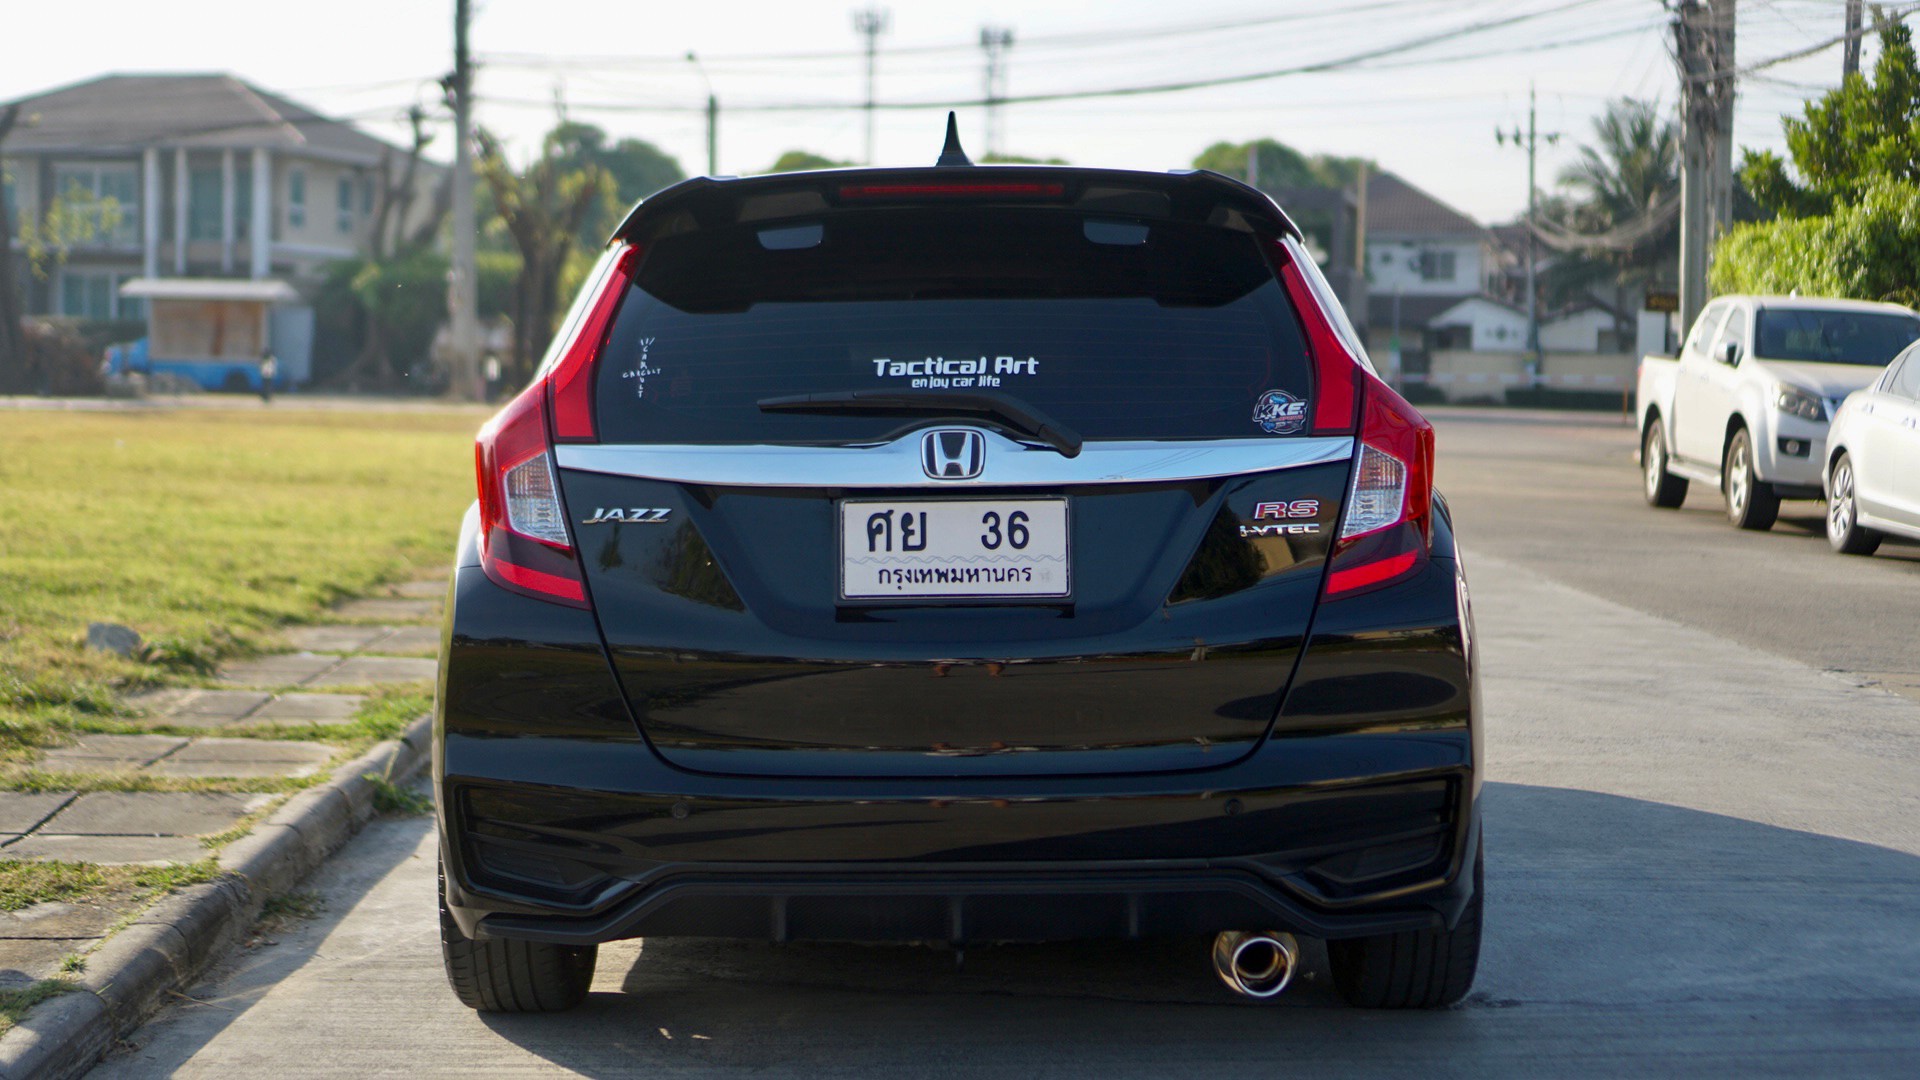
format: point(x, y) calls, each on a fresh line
point(697, 680)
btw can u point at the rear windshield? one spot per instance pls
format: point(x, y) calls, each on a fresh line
point(1117, 329)
point(1832, 337)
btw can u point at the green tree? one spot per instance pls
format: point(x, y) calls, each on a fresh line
point(636, 168)
point(802, 160)
point(1866, 249)
point(1848, 138)
point(543, 209)
point(1619, 195)
point(1281, 166)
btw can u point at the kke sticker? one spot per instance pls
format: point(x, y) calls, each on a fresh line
point(1280, 413)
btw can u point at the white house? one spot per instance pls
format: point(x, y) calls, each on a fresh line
point(212, 177)
point(1480, 324)
point(1582, 328)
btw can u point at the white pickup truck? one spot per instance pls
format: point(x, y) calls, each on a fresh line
point(1746, 405)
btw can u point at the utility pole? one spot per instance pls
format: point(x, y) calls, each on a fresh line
point(713, 116)
point(1850, 59)
point(1530, 142)
point(1703, 33)
point(463, 291)
point(871, 22)
point(995, 40)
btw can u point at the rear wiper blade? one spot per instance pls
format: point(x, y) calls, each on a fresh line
point(1013, 414)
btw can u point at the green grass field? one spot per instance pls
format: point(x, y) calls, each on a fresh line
point(206, 531)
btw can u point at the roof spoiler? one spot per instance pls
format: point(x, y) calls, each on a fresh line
point(704, 202)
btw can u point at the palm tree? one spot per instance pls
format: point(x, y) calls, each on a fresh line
point(1621, 197)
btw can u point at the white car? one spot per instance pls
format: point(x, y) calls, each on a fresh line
point(1745, 407)
point(1873, 461)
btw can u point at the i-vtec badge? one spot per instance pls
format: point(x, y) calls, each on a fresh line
point(1298, 508)
point(637, 515)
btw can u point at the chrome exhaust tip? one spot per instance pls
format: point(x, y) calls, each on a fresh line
point(1255, 964)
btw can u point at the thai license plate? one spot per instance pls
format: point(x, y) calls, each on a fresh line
point(954, 549)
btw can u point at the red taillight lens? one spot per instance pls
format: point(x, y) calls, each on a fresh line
point(571, 378)
point(1386, 525)
point(524, 545)
point(1336, 370)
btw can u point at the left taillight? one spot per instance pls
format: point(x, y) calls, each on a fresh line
point(525, 546)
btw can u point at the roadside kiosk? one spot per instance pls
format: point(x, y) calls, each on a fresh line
point(210, 330)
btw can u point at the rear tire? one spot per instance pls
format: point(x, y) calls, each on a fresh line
point(1751, 502)
point(494, 975)
point(1419, 969)
point(1844, 530)
point(1662, 488)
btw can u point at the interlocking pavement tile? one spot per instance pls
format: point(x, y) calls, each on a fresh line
point(382, 607)
point(149, 813)
point(428, 589)
point(245, 757)
point(199, 708)
point(408, 641)
point(286, 669)
point(20, 811)
point(109, 850)
point(336, 639)
point(297, 709)
point(108, 753)
point(358, 670)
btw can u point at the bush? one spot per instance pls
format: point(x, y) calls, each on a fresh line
point(60, 361)
point(1869, 250)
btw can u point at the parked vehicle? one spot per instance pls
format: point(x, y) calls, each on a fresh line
point(1746, 405)
point(959, 555)
point(1873, 461)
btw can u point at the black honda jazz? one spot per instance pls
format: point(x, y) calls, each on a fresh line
point(959, 554)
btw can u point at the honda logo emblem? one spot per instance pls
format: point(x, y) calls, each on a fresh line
point(953, 454)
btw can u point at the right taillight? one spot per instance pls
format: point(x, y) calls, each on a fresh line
point(1386, 525)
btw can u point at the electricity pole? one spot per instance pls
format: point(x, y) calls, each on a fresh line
point(1850, 59)
point(713, 116)
point(871, 22)
point(1530, 142)
point(995, 40)
point(463, 292)
point(1703, 34)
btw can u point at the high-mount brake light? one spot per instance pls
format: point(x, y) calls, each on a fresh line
point(984, 190)
point(571, 379)
point(524, 543)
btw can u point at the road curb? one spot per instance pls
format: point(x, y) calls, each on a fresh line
point(178, 938)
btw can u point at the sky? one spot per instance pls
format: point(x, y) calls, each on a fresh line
point(1442, 77)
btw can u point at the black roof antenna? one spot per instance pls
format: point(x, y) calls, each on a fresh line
point(951, 154)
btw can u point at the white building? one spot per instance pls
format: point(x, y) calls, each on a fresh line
point(212, 177)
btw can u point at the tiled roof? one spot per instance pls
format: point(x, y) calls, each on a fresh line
point(1397, 208)
point(123, 112)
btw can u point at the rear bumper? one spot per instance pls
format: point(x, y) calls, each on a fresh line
point(1354, 816)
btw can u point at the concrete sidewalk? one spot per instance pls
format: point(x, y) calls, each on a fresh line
point(205, 765)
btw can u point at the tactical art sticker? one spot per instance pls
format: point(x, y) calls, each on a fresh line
point(960, 372)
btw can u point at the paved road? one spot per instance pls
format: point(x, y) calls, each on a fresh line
point(1704, 859)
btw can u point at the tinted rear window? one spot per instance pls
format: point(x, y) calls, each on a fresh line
point(1832, 337)
point(1171, 330)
